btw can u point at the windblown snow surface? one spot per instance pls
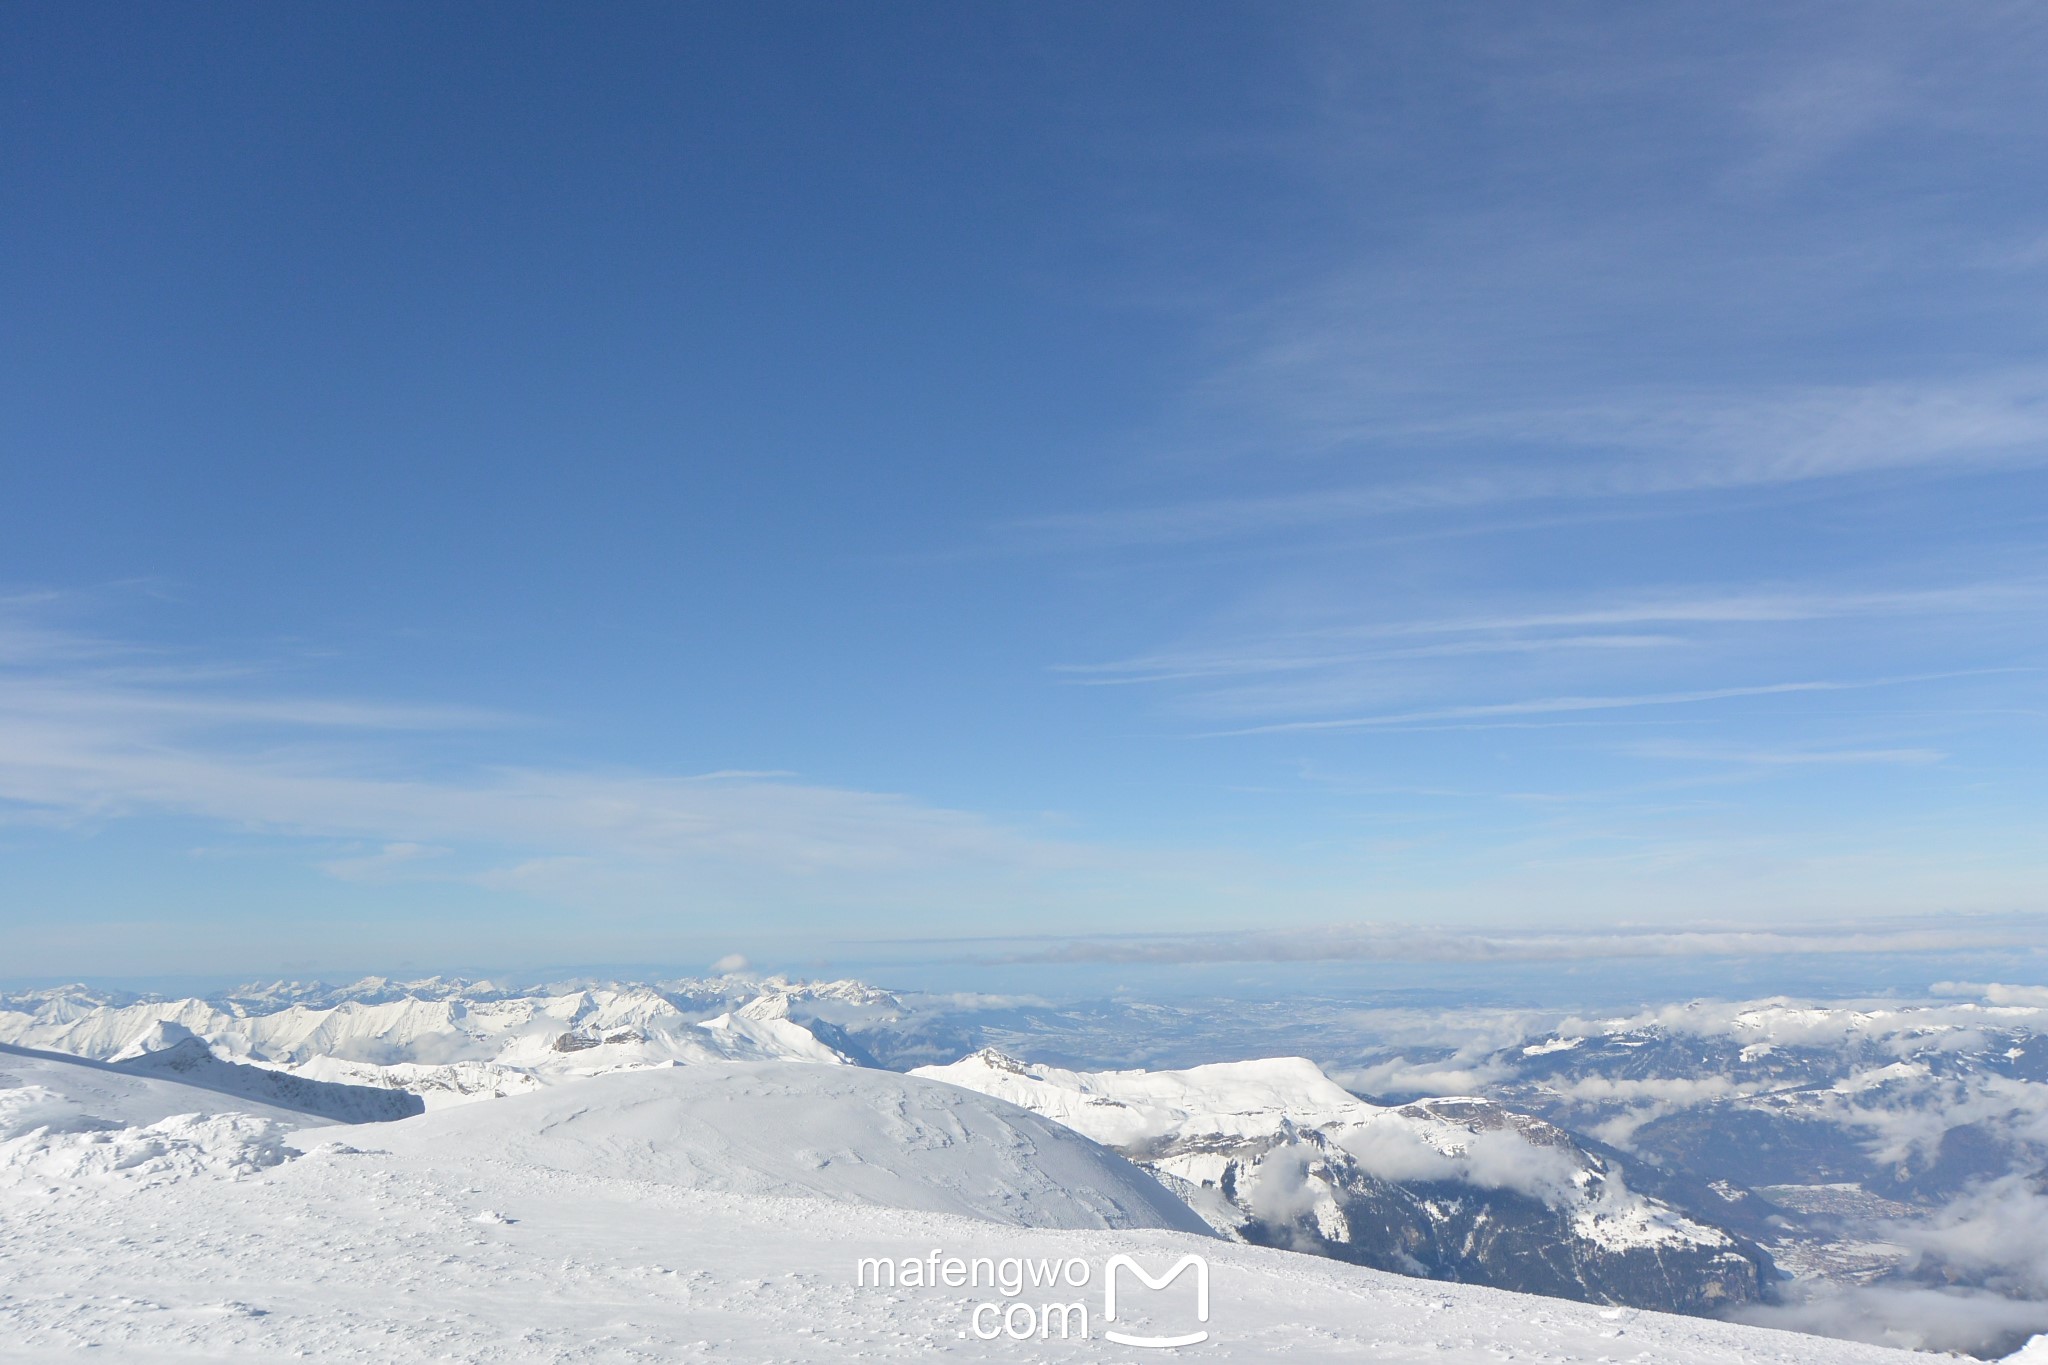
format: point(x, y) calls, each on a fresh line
point(715, 1212)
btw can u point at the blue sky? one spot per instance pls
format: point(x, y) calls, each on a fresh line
point(518, 484)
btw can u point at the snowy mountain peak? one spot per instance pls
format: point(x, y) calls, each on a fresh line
point(1123, 1108)
point(168, 1045)
point(770, 1006)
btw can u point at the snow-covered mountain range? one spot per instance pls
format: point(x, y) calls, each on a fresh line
point(719, 1211)
point(444, 1041)
point(1888, 1155)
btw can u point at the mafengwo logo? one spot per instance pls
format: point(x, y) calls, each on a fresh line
point(1042, 1299)
point(1109, 1302)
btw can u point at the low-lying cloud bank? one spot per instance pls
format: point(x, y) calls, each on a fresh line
point(1974, 1321)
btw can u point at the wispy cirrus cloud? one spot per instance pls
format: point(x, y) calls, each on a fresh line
point(1551, 706)
point(1746, 756)
point(1541, 706)
point(1814, 111)
point(1221, 664)
point(393, 861)
point(85, 772)
point(167, 698)
point(1597, 625)
point(1647, 658)
point(1624, 445)
point(91, 733)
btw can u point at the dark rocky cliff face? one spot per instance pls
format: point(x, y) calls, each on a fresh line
point(1449, 1231)
point(1594, 1241)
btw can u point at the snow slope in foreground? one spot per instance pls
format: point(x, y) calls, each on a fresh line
point(550, 1229)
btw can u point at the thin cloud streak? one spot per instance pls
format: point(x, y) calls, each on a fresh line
point(1554, 705)
point(76, 750)
point(84, 701)
point(1624, 447)
point(784, 824)
point(1162, 669)
point(1786, 758)
point(1325, 647)
point(1546, 706)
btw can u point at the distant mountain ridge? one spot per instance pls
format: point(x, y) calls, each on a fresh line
point(445, 1044)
